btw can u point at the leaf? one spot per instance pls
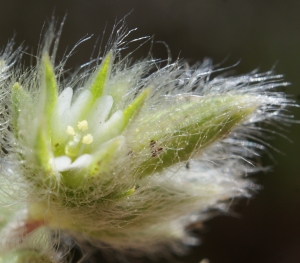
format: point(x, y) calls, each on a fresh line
point(176, 133)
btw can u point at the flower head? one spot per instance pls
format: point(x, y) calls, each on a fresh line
point(127, 156)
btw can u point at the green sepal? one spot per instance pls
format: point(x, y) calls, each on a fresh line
point(42, 148)
point(184, 131)
point(47, 101)
point(102, 76)
point(135, 106)
point(115, 196)
point(24, 256)
point(18, 97)
point(51, 90)
point(74, 178)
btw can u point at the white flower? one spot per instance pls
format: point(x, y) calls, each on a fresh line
point(128, 157)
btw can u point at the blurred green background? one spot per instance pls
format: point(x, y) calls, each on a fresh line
point(261, 34)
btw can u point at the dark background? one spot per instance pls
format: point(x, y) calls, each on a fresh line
point(258, 33)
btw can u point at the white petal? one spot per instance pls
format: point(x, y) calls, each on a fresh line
point(64, 101)
point(82, 161)
point(60, 114)
point(108, 130)
point(99, 112)
point(83, 99)
point(62, 163)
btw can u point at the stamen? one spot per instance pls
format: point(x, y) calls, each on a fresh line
point(70, 131)
point(82, 125)
point(87, 139)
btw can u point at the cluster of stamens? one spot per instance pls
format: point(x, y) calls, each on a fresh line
point(74, 146)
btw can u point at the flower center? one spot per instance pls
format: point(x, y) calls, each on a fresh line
point(77, 139)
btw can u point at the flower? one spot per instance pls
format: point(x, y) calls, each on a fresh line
point(125, 156)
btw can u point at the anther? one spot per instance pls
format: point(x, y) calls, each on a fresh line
point(82, 125)
point(87, 139)
point(70, 131)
